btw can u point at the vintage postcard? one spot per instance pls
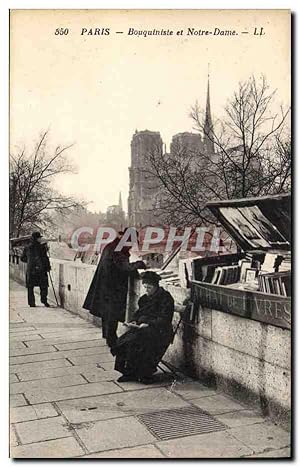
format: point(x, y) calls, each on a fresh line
point(150, 234)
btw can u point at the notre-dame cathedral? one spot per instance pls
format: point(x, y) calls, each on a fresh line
point(143, 195)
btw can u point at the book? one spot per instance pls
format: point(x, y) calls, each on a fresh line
point(277, 283)
point(216, 275)
point(245, 264)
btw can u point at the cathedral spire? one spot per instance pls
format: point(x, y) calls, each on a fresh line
point(208, 126)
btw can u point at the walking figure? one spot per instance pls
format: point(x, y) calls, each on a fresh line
point(38, 266)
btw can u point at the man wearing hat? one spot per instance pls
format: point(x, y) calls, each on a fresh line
point(38, 265)
point(107, 294)
point(149, 334)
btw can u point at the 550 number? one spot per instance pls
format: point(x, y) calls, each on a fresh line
point(61, 31)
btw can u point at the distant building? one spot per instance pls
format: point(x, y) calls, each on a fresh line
point(186, 143)
point(144, 196)
point(189, 145)
point(142, 192)
point(115, 216)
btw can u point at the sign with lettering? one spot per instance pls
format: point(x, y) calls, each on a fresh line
point(270, 309)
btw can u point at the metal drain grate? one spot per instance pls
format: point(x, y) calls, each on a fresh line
point(176, 423)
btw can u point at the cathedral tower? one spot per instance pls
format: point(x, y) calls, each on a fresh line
point(142, 193)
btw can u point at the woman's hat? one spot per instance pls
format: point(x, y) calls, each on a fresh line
point(150, 277)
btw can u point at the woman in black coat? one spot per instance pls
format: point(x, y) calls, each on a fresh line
point(150, 333)
point(107, 295)
point(38, 266)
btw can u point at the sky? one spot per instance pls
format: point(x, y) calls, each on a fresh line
point(95, 90)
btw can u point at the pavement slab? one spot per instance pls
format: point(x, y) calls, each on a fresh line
point(25, 351)
point(218, 404)
point(140, 452)
point(192, 389)
point(63, 340)
point(211, 445)
point(31, 412)
point(30, 332)
point(95, 350)
point(46, 383)
point(26, 338)
point(22, 414)
point(38, 346)
point(283, 453)
point(42, 430)
point(112, 434)
point(240, 418)
point(39, 366)
point(90, 409)
point(71, 392)
point(45, 410)
point(14, 328)
point(158, 382)
point(13, 378)
point(96, 375)
point(96, 358)
point(17, 400)
point(66, 333)
point(75, 324)
point(119, 405)
point(17, 345)
point(140, 401)
point(107, 366)
point(37, 357)
point(82, 344)
point(54, 372)
point(264, 436)
point(12, 437)
point(58, 448)
point(20, 327)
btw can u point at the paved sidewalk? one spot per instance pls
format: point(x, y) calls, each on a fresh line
point(63, 405)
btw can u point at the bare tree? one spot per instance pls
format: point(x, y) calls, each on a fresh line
point(32, 196)
point(251, 157)
point(246, 142)
point(181, 189)
point(281, 166)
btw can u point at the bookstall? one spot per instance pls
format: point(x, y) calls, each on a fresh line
point(255, 282)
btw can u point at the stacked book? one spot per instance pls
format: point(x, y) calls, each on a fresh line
point(286, 264)
point(277, 283)
point(169, 277)
point(225, 275)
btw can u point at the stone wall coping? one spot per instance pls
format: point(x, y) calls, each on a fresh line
point(267, 308)
point(72, 264)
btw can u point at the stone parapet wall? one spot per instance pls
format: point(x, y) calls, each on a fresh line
point(245, 357)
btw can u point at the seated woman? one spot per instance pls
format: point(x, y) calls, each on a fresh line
point(149, 333)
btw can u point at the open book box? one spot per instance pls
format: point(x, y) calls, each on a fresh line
point(255, 282)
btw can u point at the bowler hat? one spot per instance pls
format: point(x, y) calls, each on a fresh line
point(150, 277)
point(36, 235)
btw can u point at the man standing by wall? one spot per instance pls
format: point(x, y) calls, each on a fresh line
point(107, 294)
point(38, 266)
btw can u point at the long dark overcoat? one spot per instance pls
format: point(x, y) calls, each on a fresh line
point(140, 350)
point(107, 294)
point(38, 264)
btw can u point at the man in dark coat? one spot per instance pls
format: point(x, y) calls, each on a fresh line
point(38, 265)
point(149, 334)
point(107, 294)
